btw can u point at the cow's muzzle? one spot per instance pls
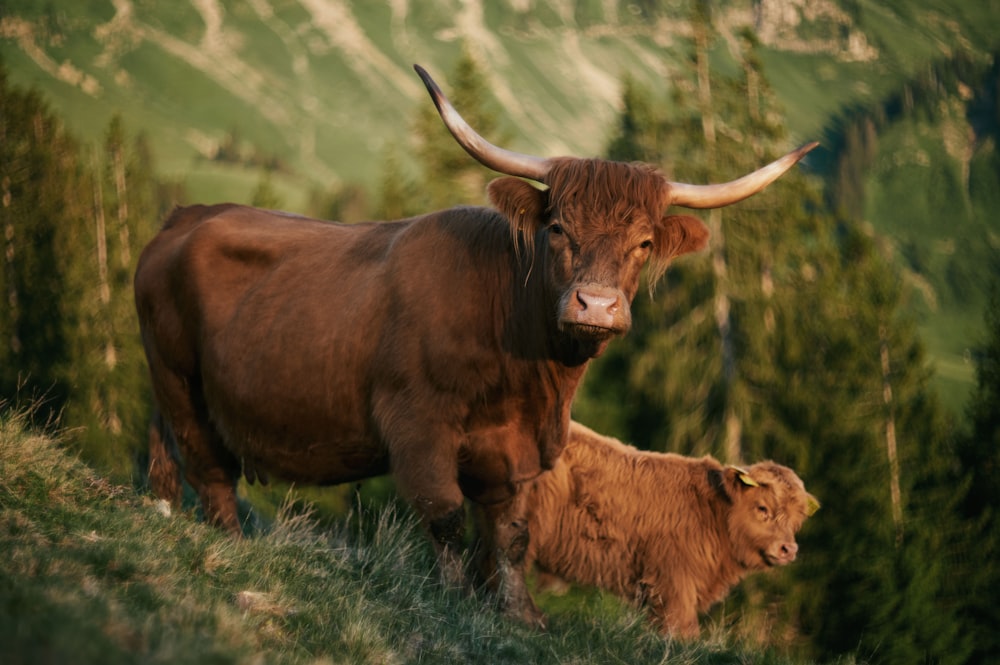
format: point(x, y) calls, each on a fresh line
point(592, 311)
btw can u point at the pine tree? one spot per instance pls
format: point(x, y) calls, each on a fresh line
point(41, 190)
point(868, 581)
point(109, 403)
point(638, 133)
point(822, 373)
point(450, 176)
point(73, 224)
point(264, 194)
point(398, 198)
point(975, 577)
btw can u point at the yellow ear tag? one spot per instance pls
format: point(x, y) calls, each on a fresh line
point(812, 505)
point(745, 476)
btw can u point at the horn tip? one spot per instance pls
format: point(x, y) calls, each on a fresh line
point(425, 77)
point(808, 147)
point(430, 84)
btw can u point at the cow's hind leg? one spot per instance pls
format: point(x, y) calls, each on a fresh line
point(164, 466)
point(210, 469)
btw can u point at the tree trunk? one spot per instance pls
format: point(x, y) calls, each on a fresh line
point(890, 435)
point(733, 425)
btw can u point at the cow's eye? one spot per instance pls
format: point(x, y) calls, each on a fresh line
point(556, 229)
point(646, 244)
point(763, 512)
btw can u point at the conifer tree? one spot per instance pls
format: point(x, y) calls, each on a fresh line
point(264, 194)
point(450, 176)
point(638, 133)
point(398, 198)
point(73, 224)
point(974, 577)
point(109, 399)
point(822, 368)
point(860, 586)
point(41, 194)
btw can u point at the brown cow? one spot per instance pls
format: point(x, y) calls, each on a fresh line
point(672, 533)
point(444, 349)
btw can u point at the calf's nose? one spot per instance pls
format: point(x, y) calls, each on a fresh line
point(789, 550)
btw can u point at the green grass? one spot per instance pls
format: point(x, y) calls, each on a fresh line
point(94, 573)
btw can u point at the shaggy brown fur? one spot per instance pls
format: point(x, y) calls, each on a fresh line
point(445, 349)
point(435, 348)
point(672, 533)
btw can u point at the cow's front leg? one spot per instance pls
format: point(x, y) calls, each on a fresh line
point(428, 482)
point(507, 538)
point(447, 533)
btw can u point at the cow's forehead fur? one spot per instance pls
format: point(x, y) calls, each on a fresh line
point(598, 190)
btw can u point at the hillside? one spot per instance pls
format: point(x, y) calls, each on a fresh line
point(326, 85)
point(321, 88)
point(96, 573)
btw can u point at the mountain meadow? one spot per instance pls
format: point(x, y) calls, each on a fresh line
point(844, 322)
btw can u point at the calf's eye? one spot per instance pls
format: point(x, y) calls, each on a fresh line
point(646, 244)
point(556, 229)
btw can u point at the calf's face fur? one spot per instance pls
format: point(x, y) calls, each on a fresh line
point(768, 506)
point(672, 533)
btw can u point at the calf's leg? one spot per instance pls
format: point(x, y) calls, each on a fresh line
point(675, 611)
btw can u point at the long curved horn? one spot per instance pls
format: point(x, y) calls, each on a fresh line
point(487, 154)
point(718, 196)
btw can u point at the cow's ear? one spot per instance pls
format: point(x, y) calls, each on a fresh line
point(680, 234)
point(519, 201)
point(675, 235)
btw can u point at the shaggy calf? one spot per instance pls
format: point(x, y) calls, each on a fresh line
point(672, 533)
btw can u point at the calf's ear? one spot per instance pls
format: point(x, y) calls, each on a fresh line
point(520, 202)
point(743, 476)
point(812, 505)
point(675, 235)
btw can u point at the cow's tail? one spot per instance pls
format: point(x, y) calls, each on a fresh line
point(164, 461)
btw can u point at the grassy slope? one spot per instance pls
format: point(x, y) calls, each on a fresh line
point(93, 573)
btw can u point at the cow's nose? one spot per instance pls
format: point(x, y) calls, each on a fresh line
point(597, 308)
point(789, 550)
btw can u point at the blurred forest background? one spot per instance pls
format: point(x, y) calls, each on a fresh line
point(845, 322)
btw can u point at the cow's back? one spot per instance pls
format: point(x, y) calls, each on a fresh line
point(298, 330)
point(216, 278)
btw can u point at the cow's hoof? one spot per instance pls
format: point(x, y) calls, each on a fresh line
point(529, 616)
point(538, 621)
